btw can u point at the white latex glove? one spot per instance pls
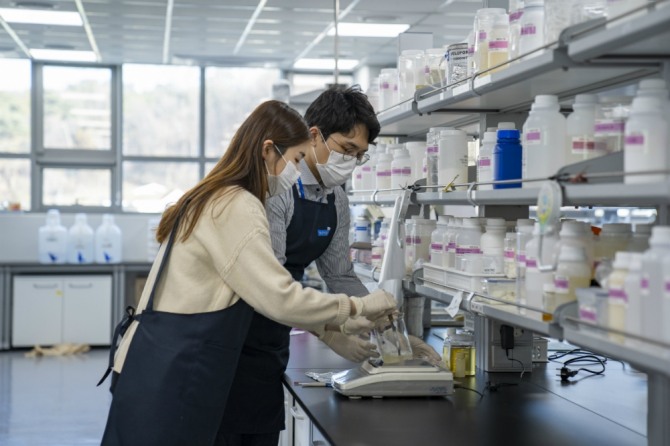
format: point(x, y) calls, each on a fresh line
point(357, 325)
point(352, 348)
point(375, 305)
point(424, 351)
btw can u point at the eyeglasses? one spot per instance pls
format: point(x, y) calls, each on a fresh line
point(348, 155)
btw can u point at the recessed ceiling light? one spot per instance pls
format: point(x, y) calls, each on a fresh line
point(369, 29)
point(34, 5)
point(68, 55)
point(324, 64)
point(41, 17)
point(379, 18)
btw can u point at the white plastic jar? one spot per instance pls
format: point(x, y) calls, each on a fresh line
point(578, 233)
point(417, 155)
point(515, 13)
point(362, 231)
point(432, 155)
point(484, 20)
point(452, 157)
point(498, 42)
point(417, 241)
point(411, 73)
point(437, 241)
point(611, 116)
point(580, 124)
point(509, 255)
point(618, 300)
point(572, 272)
point(52, 239)
point(452, 233)
point(524, 232)
point(655, 309)
point(646, 141)
point(633, 318)
point(468, 246)
point(435, 66)
point(534, 278)
point(532, 28)
point(80, 241)
point(493, 246)
point(639, 242)
point(388, 88)
point(485, 166)
point(383, 172)
point(401, 167)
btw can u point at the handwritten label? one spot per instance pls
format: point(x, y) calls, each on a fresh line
point(455, 304)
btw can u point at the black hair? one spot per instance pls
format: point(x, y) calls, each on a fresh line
point(340, 109)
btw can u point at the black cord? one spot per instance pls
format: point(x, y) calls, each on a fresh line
point(523, 367)
point(583, 358)
point(481, 395)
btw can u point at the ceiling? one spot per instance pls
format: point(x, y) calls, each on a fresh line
point(211, 32)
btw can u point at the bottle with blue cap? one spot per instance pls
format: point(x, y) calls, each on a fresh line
point(507, 158)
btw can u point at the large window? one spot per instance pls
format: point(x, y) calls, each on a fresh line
point(151, 186)
point(77, 187)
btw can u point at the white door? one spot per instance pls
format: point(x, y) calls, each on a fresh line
point(36, 310)
point(87, 309)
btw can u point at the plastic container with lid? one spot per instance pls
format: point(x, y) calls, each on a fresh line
point(618, 300)
point(633, 318)
point(471, 52)
point(593, 307)
point(417, 241)
point(362, 230)
point(532, 28)
point(452, 157)
point(383, 171)
point(524, 233)
point(544, 140)
point(432, 155)
point(452, 233)
point(468, 246)
point(578, 233)
point(534, 278)
point(401, 168)
point(457, 64)
point(611, 116)
point(435, 66)
point(485, 159)
point(388, 88)
point(556, 19)
point(515, 13)
point(573, 271)
point(458, 352)
point(437, 237)
point(493, 245)
point(484, 19)
point(654, 308)
point(108, 241)
point(377, 253)
point(646, 141)
point(509, 255)
point(613, 237)
point(52, 239)
point(411, 73)
point(498, 42)
point(80, 243)
point(417, 155)
point(384, 230)
point(639, 242)
point(507, 159)
point(580, 123)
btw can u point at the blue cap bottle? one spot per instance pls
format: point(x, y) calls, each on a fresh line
point(507, 159)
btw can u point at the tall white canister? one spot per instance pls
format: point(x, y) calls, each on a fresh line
point(52, 239)
point(108, 241)
point(80, 241)
point(452, 157)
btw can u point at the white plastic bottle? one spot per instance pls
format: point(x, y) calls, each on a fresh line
point(377, 252)
point(452, 233)
point(633, 318)
point(655, 88)
point(411, 76)
point(536, 279)
point(509, 255)
point(515, 12)
point(646, 141)
point(432, 155)
point(532, 28)
point(437, 241)
point(383, 172)
point(578, 233)
point(498, 42)
point(651, 283)
point(468, 246)
point(52, 239)
point(108, 241)
point(80, 241)
point(524, 233)
point(617, 298)
point(580, 124)
point(493, 246)
point(401, 168)
point(485, 166)
point(556, 19)
point(388, 88)
point(452, 157)
point(639, 242)
point(417, 155)
point(544, 136)
point(572, 272)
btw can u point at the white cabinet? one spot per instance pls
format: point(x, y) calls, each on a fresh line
point(286, 436)
point(55, 309)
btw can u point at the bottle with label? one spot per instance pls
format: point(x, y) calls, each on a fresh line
point(544, 136)
point(383, 172)
point(468, 247)
point(437, 241)
point(108, 241)
point(417, 155)
point(52, 239)
point(639, 242)
point(536, 279)
point(498, 42)
point(646, 141)
point(608, 131)
point(417, 241)
point(507, 159)
point(573, 271)
point(617, 298)
point(578, 233)
point(515, 13)
point(452, 157)
point(580, 124)
point(493, 245)
point(388, 88)
point(509, 255)
point(524, 233)
point(452, 233)
point(458, 352)
point(651, 283)
point(532, 28)
point(377, 253)
point(362, 230)
point(655, 88)
point(80, 241)
point(432, 155)
point(435, 74)
point(401, 167)
point(485, 159)
point(633, 317)
point(613, 237)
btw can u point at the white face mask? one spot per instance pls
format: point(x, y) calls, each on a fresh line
point(278, 184)
point(336, 170)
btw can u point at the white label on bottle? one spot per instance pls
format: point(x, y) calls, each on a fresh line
point(562, 284)
point(499, 45)
point(618, 295)
point(528, 29)
point(582, 145)
point(587, 314)
point(635, 141)
point(533, 136)
point(468, 249)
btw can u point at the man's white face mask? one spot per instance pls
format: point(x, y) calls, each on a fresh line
point(337, 169)
point(278, 184)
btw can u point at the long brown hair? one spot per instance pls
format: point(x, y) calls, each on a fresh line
point(241, 165)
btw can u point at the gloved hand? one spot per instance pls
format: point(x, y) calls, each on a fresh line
point(357, 325)
point(375, 305)
point(424, 351)
point(352, 348)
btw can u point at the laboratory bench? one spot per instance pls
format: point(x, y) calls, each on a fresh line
point(536, 409)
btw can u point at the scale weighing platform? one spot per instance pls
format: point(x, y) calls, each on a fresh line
point(413, 377)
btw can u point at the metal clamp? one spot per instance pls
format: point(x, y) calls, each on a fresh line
point(469, 193)
point(374, 197)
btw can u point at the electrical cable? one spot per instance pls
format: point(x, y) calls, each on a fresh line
point(481, 395)
point(523, 367)
point(583, 357)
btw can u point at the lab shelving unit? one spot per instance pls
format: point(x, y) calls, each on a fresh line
point(586, 59)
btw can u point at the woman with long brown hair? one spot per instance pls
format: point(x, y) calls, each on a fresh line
point(178, 356)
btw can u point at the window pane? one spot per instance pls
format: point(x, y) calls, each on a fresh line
point(232, 93)
point(160, 110)
point(83, 187)
point(77, 108)
point(15, 105)
point(151, 186)
point(14, 183)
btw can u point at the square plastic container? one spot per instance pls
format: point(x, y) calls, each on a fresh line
point(456, 279)
point(499, 288)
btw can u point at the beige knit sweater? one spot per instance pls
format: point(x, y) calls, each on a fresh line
point(229, 257)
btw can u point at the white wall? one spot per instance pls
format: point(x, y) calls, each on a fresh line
point(18, 234)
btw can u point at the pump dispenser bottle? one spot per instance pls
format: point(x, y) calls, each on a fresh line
point(52, 239)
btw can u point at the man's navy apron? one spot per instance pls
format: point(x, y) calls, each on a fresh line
point(177, 374)
point(256, 401)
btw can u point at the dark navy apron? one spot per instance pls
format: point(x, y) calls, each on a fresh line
point(177, 375)
point(256, 401)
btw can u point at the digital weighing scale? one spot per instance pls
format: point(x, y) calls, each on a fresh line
point(413, 377)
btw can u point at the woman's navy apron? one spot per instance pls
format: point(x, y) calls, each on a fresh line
point(256, 401)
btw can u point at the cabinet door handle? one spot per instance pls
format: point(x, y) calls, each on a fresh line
point(45, 286)
point(296, 415)
point(80, 286)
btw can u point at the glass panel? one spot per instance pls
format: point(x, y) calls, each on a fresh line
point(15, 108)
point(160, 110)
point(151, 186)
point(14, 184)
point(71, 187)
point(208, 167)
point(77, 108)
point(305, 83)
point(232, 93)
